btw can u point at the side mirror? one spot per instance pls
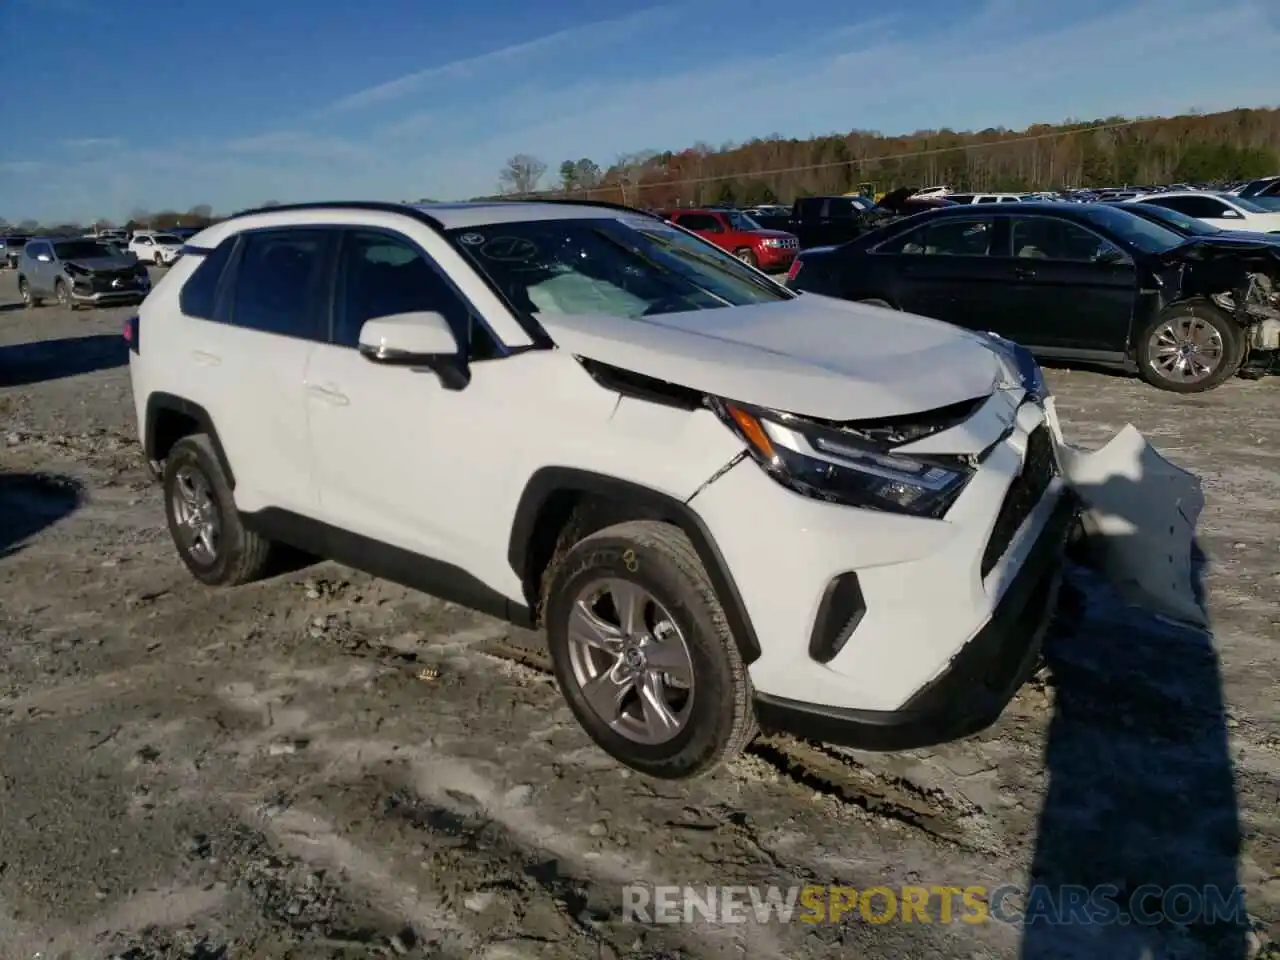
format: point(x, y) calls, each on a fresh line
point(422, 339)
point(1112, 255)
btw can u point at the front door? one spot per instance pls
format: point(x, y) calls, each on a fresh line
point(1074, 291)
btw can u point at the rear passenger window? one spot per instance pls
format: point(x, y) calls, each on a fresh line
point(276, 282)
point(199, 296)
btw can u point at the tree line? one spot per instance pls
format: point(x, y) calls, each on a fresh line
point(1193, 148)
point(201, 215)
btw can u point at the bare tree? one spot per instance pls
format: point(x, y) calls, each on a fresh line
point(631, 168)
point(586, 174)
point(271, 203)
point(140, 215)
point(29, 226)
point(521, 174)
point(201, 210)
point(103, 224)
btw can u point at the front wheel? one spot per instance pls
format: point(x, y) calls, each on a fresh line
point(643, 653)
point(29, 299)
point(62, 292)
point(747, 256)
point(1190, 347)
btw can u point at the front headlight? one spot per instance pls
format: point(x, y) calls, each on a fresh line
point(827, 463)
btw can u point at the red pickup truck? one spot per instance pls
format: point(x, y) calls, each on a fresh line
point(734, 231)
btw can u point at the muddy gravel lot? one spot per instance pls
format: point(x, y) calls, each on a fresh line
point(327, 765)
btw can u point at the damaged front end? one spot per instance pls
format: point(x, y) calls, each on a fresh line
point(1241, 278)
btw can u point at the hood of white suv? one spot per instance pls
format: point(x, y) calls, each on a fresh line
point(814, 356)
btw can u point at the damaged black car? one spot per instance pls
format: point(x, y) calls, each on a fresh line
point(1076, 282)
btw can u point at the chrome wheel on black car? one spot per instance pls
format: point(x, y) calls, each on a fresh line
point(1191, 347)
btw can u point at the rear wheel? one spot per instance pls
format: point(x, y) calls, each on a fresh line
point(1189, 348)
point(205, 525)
point(643, 653)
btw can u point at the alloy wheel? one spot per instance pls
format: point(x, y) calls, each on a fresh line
point(196, 517)
point(1186, 349)
point(630, 661)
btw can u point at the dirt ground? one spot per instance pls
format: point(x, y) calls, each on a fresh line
point(326, 765)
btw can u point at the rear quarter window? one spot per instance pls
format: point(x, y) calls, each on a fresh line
point(199, 296)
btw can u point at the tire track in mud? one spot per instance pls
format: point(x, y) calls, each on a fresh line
point(934, 812)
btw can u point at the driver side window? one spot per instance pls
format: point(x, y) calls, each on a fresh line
point(1047, 238)
point(380, 275)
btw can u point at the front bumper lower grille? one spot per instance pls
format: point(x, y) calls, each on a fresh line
point(1039, 467)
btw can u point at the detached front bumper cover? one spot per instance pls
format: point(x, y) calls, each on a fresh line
point(1140, 513)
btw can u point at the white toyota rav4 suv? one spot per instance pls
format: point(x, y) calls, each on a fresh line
point(730, 506)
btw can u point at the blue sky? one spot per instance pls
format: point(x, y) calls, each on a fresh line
point(114, 106)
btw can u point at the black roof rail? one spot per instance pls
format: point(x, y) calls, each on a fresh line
point(380, 206)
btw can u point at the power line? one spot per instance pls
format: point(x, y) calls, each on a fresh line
point(859, 163)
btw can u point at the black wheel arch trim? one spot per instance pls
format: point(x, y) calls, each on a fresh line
point(551, 481)
point(158, 403)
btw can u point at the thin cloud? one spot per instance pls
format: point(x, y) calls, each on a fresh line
point(601, 31)
point(91, 143)
point(297, 143)
point(18, 167)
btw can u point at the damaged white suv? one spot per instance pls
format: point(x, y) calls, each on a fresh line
point(730, 506)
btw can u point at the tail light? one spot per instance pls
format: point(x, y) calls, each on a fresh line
point(796, 264)
point(130, 332)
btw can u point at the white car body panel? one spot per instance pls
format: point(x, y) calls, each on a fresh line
point(1141, 511)
point(813, 355)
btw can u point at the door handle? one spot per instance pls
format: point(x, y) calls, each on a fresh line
point(328, 393)
point(205, 359)
point(1024, 273)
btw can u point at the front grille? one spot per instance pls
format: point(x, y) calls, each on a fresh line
point(1038, 469)
point(103, 281)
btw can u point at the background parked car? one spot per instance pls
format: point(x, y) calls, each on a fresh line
point(77, 272)
point(1086, 282)
point(1192, 226)
point(739, 234)
point(161, 249)
point(1260, 214)
point(11, 250)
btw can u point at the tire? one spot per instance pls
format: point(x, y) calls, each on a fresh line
point(747, 256)
point(29, 300)
point(876, 302)
point(1214, 326)
point(62, 293)
point(192, 475)
point(714, 710)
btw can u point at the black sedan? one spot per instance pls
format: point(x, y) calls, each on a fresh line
point(1086, 282)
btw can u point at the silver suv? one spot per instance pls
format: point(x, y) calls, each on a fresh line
point(79, 271)
point(11, 251)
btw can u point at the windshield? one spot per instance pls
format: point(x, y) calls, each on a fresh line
point(625, 266)
point(81, 250)
point(1180, 221)
point(168, 238)
point(1134, 230)
point(740, 221)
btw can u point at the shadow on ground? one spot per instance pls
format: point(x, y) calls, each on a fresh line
point(1137, 843)
point(29, 502)
point(22, 364)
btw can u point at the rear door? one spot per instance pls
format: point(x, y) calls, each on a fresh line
point(954, 269)
point(254, 311)
point(1073, 289)
point(39, 273)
